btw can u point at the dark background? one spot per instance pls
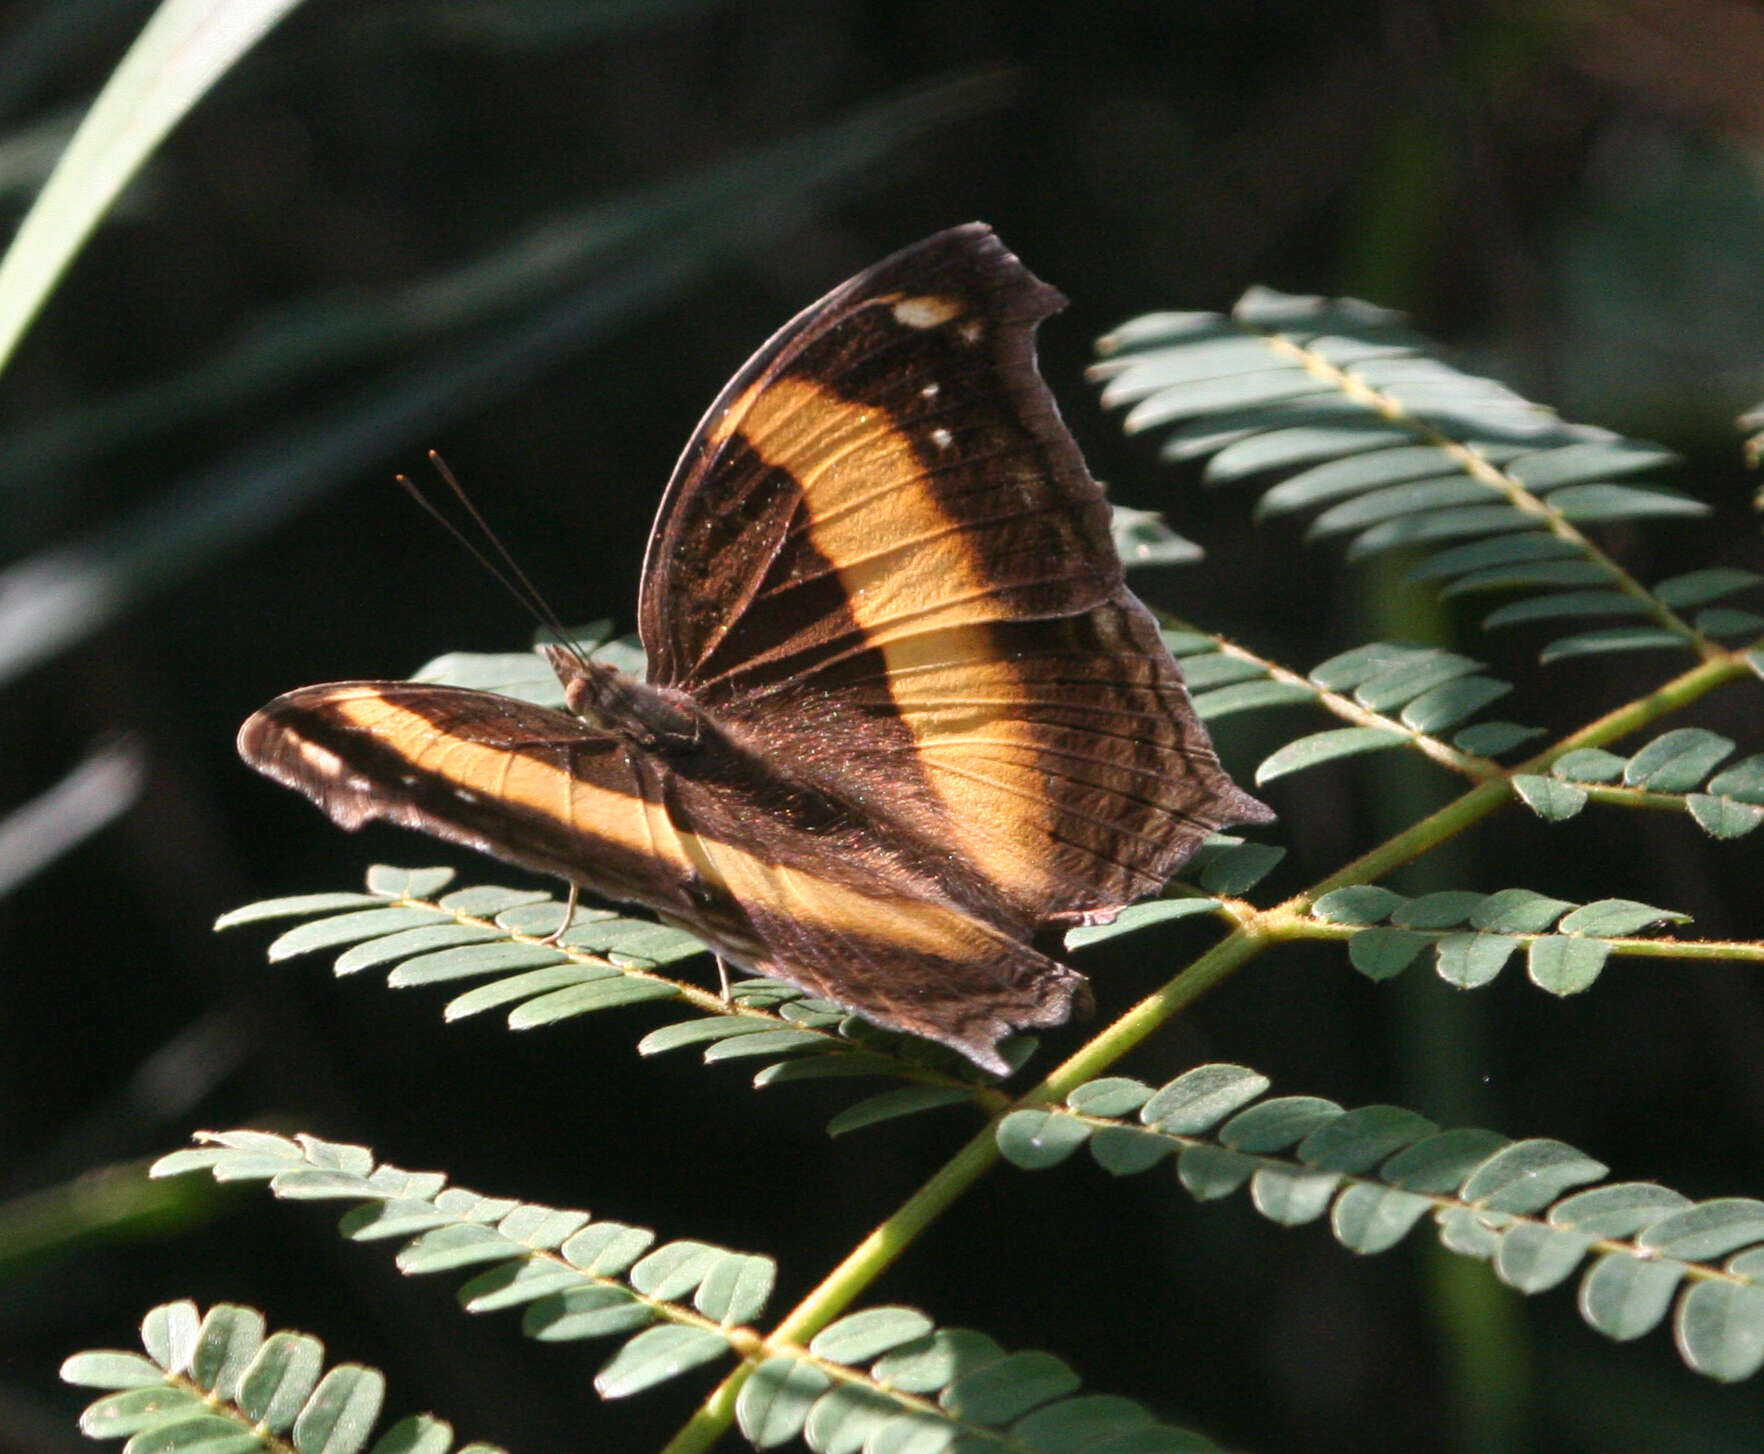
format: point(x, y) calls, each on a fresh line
point(1568, 192)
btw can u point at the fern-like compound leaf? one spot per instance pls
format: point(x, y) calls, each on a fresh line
point(1340, 409)
point(215, 1383)
point(1472, 936)
point(573, 1277)
point(1529, 1208)
point(1683, 768)
point(418, 935)
point(887, 1373)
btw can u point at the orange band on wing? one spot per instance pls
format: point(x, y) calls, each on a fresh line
point(922, 597)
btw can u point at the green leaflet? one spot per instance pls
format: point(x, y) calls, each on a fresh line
point(1469, 961)
point(1617, 638)
point(1321, 747)
point(1229, 866)
point(1035, 1140)
point(1360, 664)
point(1615, 918)
point(1357, 904)
point(1397, 502)
point(1624, 1298)
point(1502, 552)
point(1447, 705)
point(1550, 799)
point(1143, 538)
point(347, 1400)
point(1565, 604)
point(1677, 761)
point(1278, 1124)
point(1411, 679)
point(1707, 1229)
point(774, 1403)
point(1722, 817)
point(1720, 1329)
point(889, 1105)
point(1592, 460)
point(1491, 739)
point(1535, 1258)
point(654, 1356)
point(1565, 966)
point(1381, 953)
point(1589, 504)
point(1620, 1209)
point(1297, 445)
point(1216, 669)
point(1564, 573)
point(1139, 916)
point(407, 883)
point(1210, 706)
point(1518, 911)
point(1351, 475)
point(869, 1334)
point(1588, 764)
point(1700, 587)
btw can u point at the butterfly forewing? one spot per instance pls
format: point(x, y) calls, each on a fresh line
point(882, 552)
point(826, 904)
point(530, 785)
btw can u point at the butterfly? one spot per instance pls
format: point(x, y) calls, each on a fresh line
point(903, 723)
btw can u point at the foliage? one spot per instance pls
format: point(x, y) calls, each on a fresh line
point(886, 1374)
point(1378, 1170)
point(1529, 1207)
point(1334, 408)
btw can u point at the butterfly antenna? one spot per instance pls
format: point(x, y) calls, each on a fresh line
point(502, 567)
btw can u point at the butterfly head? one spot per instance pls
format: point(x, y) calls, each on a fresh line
point(653, 718)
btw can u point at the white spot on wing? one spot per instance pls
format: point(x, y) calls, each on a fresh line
point(926, 311)
point(930, 391)
point(972, 331)
point(942, 438)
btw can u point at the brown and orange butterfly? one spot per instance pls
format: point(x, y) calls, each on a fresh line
point(903, 722)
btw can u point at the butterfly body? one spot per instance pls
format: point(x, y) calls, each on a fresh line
point(903, 719)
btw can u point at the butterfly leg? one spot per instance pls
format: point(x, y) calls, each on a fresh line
point(568, 914)
point(723, 977)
